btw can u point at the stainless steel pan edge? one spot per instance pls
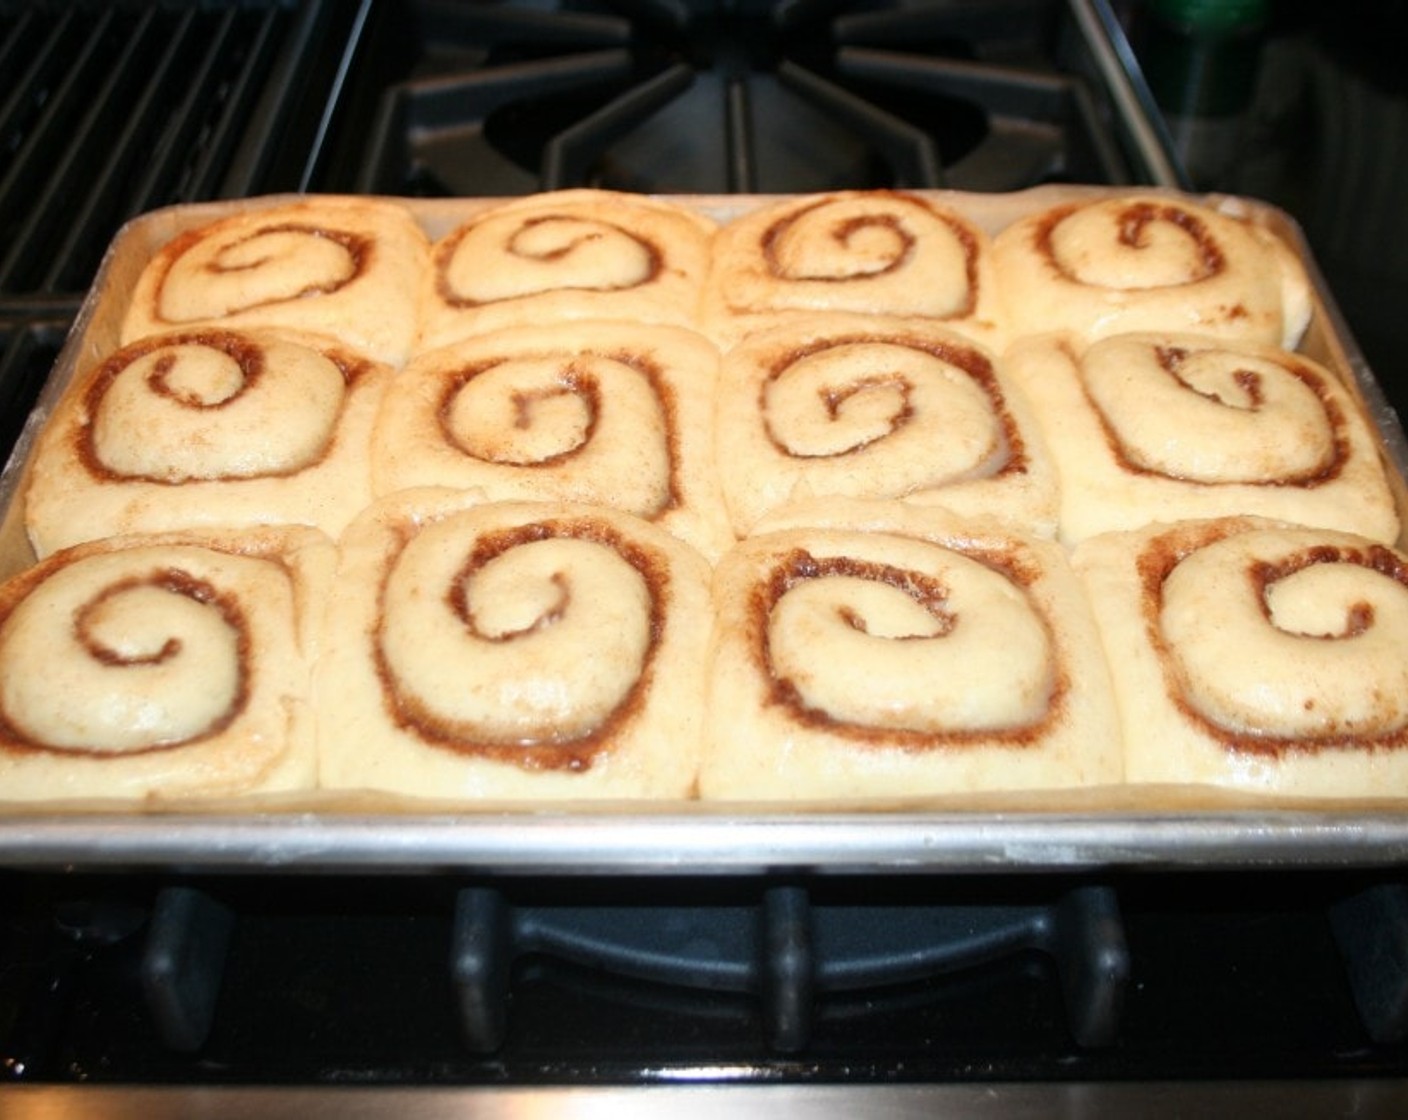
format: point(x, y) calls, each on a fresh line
point(685, 843)
point(713, 1095)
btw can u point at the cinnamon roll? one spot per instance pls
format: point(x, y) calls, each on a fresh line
point(866, 252)
point(862, 407)
point(1150, 262)
point(515, 651)
point(207, 427)
point(349, 268)
point(162, 667)
point(916, 654)
point(578, 254)
point(1166, 426)
point(1256, 655)
point(610, 414)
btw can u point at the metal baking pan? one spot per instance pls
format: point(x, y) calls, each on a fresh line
point(1126, 827)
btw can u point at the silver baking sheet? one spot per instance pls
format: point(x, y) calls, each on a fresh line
point(707, 1091)
point(745, 842)
point(1128, 828)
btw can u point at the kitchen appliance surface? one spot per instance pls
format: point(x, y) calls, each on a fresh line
point(1186, 962)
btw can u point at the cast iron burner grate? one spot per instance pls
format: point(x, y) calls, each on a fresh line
point(29, 346)
point(109, 110)
point(309, 980)
point(698, 97)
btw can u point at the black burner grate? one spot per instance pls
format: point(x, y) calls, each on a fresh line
point(231, 980)
point(114, 109)
point(109, 110)
point(29, 346)
point(697, 97)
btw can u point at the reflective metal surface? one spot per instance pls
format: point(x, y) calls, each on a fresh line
point(689, 843)
point(1148, 1101)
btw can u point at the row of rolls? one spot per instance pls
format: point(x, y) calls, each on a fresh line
point(594, 498)
point(369, 272)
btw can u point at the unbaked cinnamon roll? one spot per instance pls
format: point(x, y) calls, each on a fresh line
point(1256, 655)
point(579, 254)
point(1150, 262)
point(866, 252)
point(862, 407)
point(162, 667)
point(208, 427)
point(610, 414)
point(1155, 426)
point(349, 268)
point(868, 650)
point(513, 651)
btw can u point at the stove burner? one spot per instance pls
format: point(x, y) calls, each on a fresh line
point(752, 96)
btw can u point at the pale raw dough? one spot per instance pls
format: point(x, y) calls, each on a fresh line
point(349, 268)
point(612, 414)
point(867, 650)
point(577, 254)
point(860, 252)
point(164, 667)
point(202, 428)
point(1158, 426)
point(1149, 262)
point(1255, 655)
point(512, 651)
point(854, 406)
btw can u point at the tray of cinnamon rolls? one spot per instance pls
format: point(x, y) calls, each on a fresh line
point(589, 529)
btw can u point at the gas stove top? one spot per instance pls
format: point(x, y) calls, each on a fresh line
point(455, 980)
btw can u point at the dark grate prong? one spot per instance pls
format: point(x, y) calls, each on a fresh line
point(1371, 930)
point(184, 963)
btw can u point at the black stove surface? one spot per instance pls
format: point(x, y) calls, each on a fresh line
point(308, 980)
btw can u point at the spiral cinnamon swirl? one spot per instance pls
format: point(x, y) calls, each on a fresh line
point(862, 407)
point(1150, 262)
point(1258, 655)
point(349, 268)
point(610, 414)
point(162, 667)
point(915, 654)
point(207, 427)
point(512, 651)
point(865, 252)
point(1163, 426)
point(578, 254)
